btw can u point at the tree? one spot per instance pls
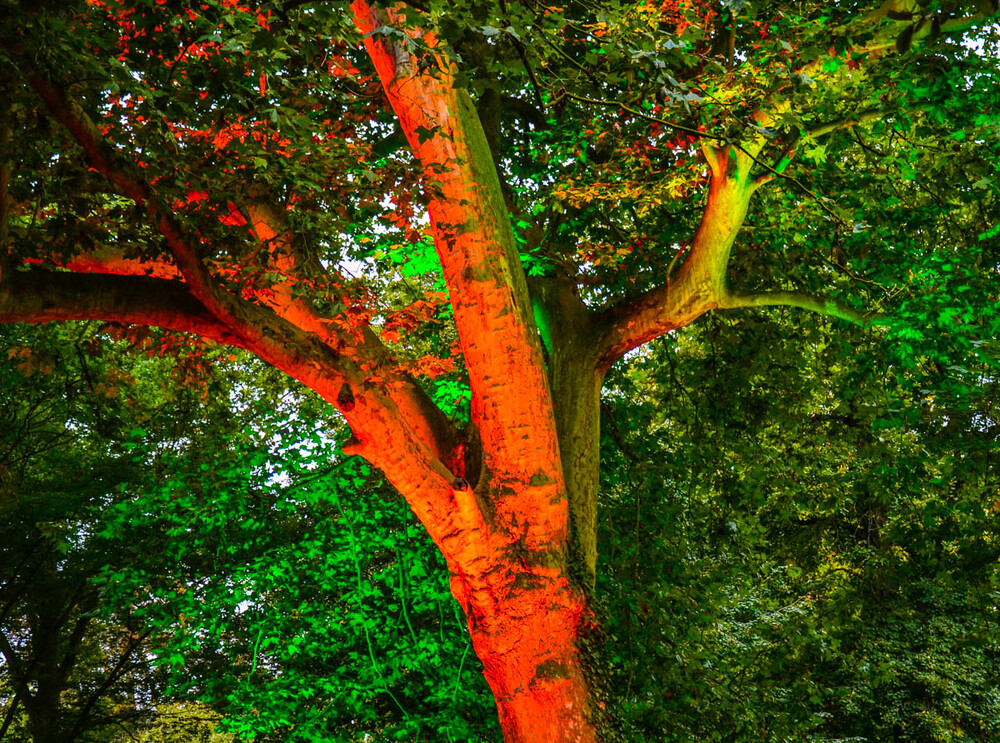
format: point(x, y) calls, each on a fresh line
point(592, 176)
point(75, 664)
point(796, 547)
point(71, 675)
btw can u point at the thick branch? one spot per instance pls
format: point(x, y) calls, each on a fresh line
point(38, 296)
point(512, 406)
point(389, 442)
point(56, 296)
point(630, 324)
point(105, 161)
point(372, 415)
point(429, 424)
point(701, 283)
point(701, 280)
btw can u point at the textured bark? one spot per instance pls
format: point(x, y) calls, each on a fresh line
point(510, 563)
point(567, 327)
point(526, 621)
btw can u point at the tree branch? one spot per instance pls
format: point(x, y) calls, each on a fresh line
point(341, 379)
point(910, 12)
point(698, 133)
point(419, 411)
point(104, 160)
point(9, 715)
point(73, 644)
point(114, 675)
point(40, 296)
point(814, 303)
point(410, 462)
point(778, 169)
point(110, 260)
point(57, 296)
point(16, 668)
point(701, 280)
point(511, 403)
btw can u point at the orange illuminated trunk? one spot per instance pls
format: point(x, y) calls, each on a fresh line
point(526, 624)
point(501, 514)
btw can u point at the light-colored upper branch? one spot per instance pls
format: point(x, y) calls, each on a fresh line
point(819, 130)
point(701, 283)
point(701, 280)
point(825, 306)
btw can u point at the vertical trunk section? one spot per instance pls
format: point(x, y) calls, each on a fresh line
point(506, 541)
point(575, 377)
point(526, 620)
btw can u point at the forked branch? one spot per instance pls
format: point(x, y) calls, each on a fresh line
point(100, 157)
point(365, 386)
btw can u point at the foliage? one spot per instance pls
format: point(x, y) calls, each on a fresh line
point(67, 675)
point(225, 552)
point(809, 552)
point(296, 594)
point(233, 169)
point(183, 723)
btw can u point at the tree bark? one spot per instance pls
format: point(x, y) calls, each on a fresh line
point(526, 619)
point(568, 329)
point(508, 547)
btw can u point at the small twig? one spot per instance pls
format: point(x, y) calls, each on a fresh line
point(680, 252)
point(519, 45)
point(628, 109)
point(573, 62)
point(531, 74)
point(846, 271)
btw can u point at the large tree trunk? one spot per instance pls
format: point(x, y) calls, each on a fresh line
point(526, 622)
point(508, 543)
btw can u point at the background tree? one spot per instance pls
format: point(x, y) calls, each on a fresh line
point(810, 553)
point(223, 170)
point(69, 675)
